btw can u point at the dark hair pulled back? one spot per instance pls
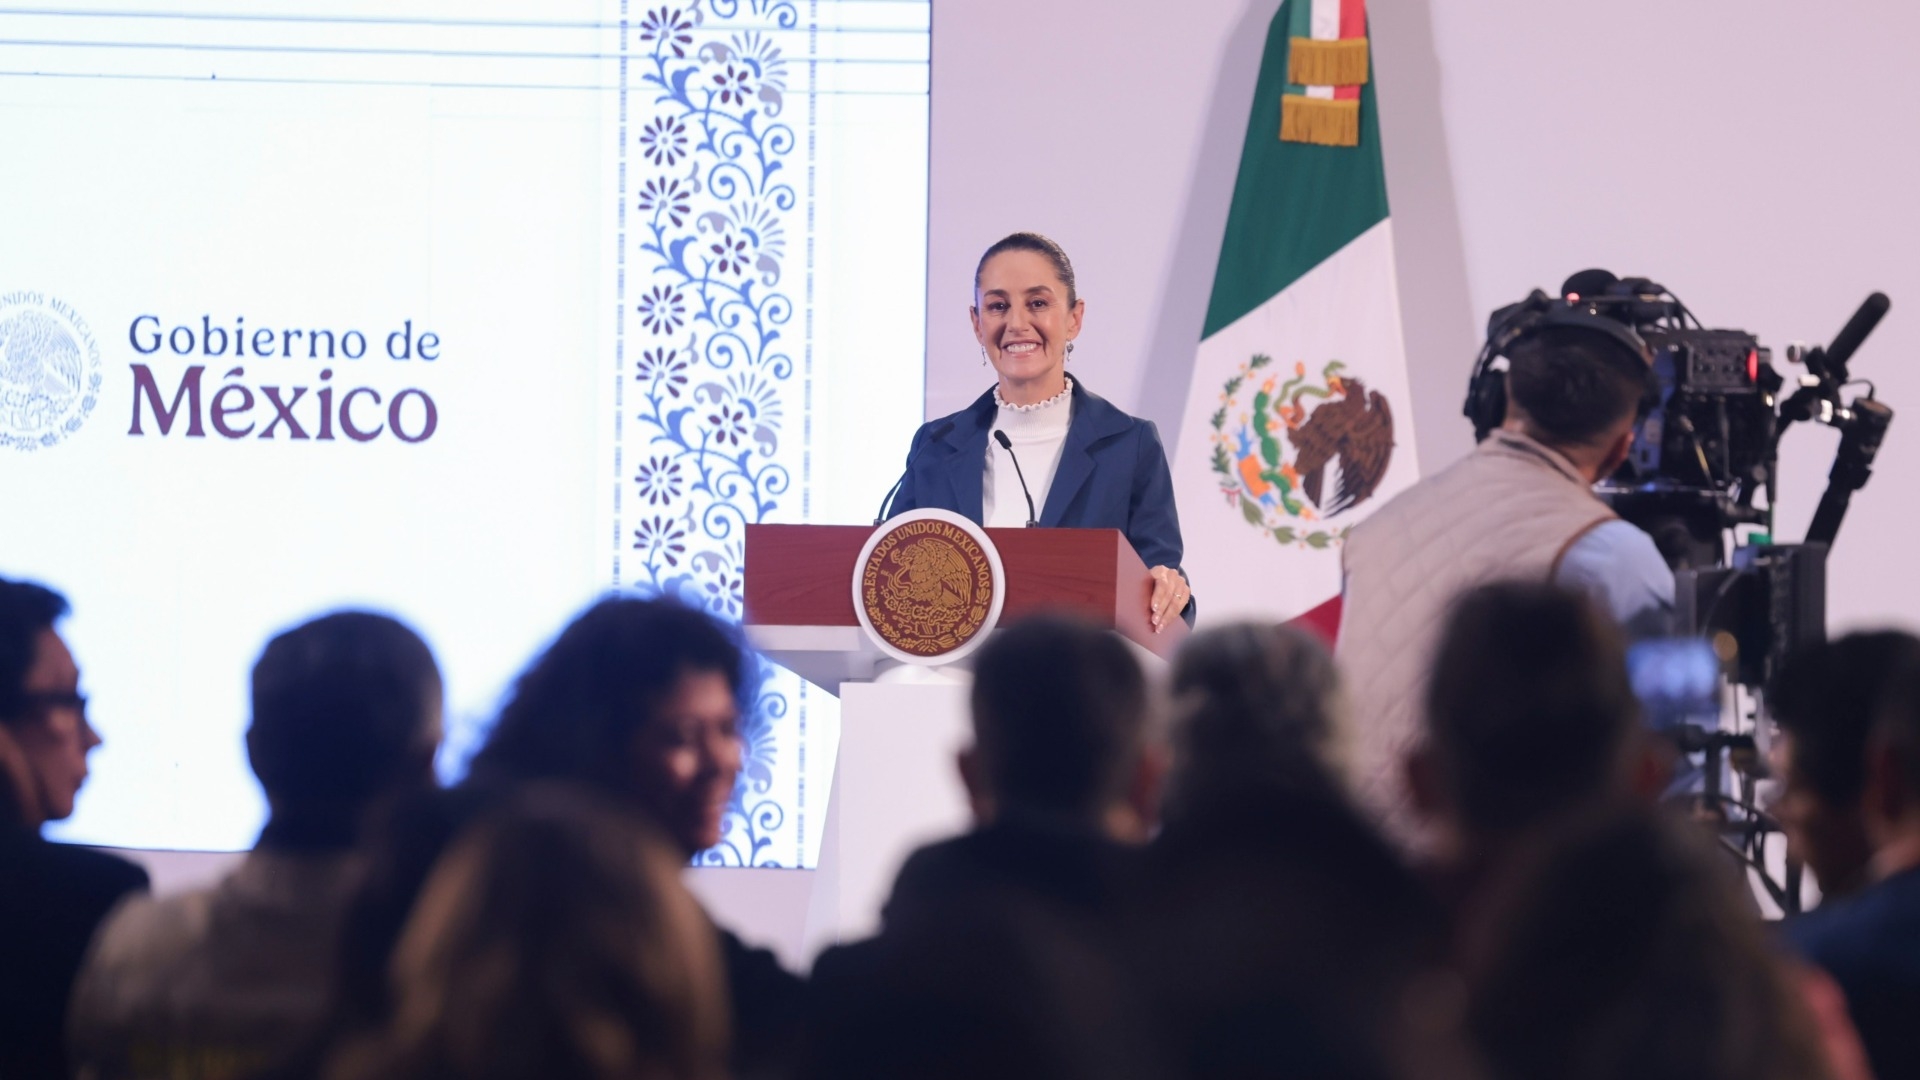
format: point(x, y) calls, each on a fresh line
point(1034, 242)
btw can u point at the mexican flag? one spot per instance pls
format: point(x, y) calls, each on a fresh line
point(1298, 421)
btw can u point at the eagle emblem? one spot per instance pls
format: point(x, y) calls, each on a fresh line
point(928, 586)
point(49, 371)
point(1292, 455)
point(929, 583)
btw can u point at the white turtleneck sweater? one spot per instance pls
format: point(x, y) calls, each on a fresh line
point(1039, 434)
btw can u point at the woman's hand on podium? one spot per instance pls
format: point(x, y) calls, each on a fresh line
point(1170, 595)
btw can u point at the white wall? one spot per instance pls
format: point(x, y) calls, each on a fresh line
point(1756, 156)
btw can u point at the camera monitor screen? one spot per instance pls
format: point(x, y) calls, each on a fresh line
point(1677, 680)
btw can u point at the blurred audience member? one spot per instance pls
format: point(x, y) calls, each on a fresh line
point(641, 699)
point(1623, 947)
point(1063, 777)
point(1870, 941)
point(1001, 952)
point(1258, 710)
point(1529, 717)
point(223, 981)
point(1825, 700)
point(17, 791)
point(51, 896)
point(552, 940)
point(403, 846)
point(1281, 934)
point(1008, 991)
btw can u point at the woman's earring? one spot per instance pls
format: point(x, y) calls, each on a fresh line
point(983, 356)
point(1069, 351)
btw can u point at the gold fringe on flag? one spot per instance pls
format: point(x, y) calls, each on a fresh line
point(1319, 120)
point(1313, 62)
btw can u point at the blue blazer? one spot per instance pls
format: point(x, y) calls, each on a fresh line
point(1113, 474)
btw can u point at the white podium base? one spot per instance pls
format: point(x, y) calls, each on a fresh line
point(896, 786)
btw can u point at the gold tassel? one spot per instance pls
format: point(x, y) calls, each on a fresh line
point(1313, 62)
point(1319, 120)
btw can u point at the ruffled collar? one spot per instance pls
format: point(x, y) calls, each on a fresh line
point(1065, 393)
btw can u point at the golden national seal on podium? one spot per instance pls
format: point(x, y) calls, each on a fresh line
point(928, 586)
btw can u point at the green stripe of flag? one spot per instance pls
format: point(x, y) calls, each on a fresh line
point(1294, 204)
point(1299, 16)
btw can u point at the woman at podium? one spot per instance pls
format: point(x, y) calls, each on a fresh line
point(1039, 448)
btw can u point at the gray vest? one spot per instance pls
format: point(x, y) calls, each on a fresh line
point(1507, 511)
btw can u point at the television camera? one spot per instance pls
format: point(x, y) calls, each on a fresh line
point(1703, 468)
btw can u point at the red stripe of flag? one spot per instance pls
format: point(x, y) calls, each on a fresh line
point(1353, 24)
point(1353, 18)
point(1323, 619)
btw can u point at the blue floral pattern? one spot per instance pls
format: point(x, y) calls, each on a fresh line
point(708, 197)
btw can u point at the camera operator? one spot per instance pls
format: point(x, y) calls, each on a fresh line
point(1870, 941)
point(1519, 507)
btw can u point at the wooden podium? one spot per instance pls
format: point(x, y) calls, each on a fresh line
point(895, 783)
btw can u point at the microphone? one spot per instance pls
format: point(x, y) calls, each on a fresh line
point(1007, 445)
point(1587, 283)
point(933, 436)
point(1871, 311)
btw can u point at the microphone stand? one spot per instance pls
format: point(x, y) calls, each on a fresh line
point(1007, 445)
